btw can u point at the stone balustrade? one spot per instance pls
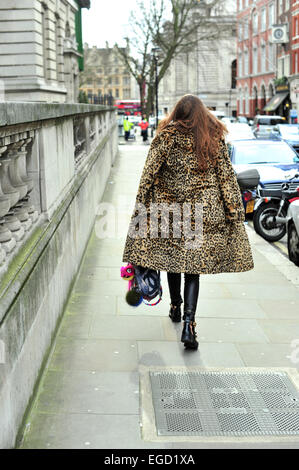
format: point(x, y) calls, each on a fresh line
point(29, 190)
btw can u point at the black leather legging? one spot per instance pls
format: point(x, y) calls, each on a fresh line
point(191, 290)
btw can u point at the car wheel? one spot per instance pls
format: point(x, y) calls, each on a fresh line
point(262, 218)
point(293, 244)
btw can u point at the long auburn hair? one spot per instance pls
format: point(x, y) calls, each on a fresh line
point(190, 115)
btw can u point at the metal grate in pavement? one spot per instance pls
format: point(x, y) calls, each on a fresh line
point(224, 403)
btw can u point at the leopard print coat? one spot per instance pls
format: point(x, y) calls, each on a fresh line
point(171, 175)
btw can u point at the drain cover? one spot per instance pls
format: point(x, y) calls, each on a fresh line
point(224, 403)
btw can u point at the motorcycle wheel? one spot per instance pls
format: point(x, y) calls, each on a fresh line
point(293, 244)
point(259, 222)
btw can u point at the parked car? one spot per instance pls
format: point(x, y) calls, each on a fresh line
point(242, 119)
point(263, 125)
point(275, 161)
point(239, 131)
point(228, 120)
point(293, 232)
point(287, 132)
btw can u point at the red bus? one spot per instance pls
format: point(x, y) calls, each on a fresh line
point(128, 107)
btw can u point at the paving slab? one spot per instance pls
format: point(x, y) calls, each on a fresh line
point(76, 391)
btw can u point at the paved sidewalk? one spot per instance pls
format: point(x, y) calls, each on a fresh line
point(89, 393)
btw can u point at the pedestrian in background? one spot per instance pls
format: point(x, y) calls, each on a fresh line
point(144, 128)
point(127, 127)
point(188, 163)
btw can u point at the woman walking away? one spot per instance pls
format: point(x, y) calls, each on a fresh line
point(189, 185)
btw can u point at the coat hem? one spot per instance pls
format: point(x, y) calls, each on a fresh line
point(199, 271)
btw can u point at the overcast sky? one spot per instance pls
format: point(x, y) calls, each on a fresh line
point(107, 20)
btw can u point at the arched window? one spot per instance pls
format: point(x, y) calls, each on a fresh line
point(234, 73)
point(240, 101)
point(263, 97)
point(67, 30)
point(246, 101)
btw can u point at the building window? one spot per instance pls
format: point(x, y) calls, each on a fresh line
point(240, 31)
point(271, 15)
point(246, 111)
point(234, 73)
point(263, 19)
point(240, 65)
point(271, 56)
point(255, 23)
point(286, 66)
point(116, 93)
point(263, 58)
point(254, 60)
point(240, 4)
point(245, 29)
point(280, 7)
point(246, 71)
point(280, 67)
point(240, 102)
point(287, 5)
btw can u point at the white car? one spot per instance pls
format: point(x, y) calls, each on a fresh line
point(293, 231)
point(239, 131)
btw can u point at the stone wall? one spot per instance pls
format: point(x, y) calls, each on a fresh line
point(68, 161)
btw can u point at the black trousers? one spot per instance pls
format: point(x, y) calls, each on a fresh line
point(191, 290)
point(144, 135)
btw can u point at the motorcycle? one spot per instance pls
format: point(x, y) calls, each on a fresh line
point(248, 181)
point(270, 215)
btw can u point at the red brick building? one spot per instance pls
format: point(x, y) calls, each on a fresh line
point(294, 52)
point(256, 55)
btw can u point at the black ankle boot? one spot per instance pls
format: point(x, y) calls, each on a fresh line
point(175, 312)
point(189, 333)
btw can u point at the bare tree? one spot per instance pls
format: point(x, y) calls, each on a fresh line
point(190, 21)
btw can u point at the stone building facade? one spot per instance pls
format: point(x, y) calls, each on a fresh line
point(40, 45)
point(208, 70)
point(105, 75)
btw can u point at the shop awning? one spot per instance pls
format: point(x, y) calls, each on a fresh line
point(275, 101)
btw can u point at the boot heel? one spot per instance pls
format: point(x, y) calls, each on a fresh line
point(189, 335)
point(175, 313)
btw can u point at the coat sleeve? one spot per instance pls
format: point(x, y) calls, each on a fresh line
point(229, 188)
point(158, 152)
